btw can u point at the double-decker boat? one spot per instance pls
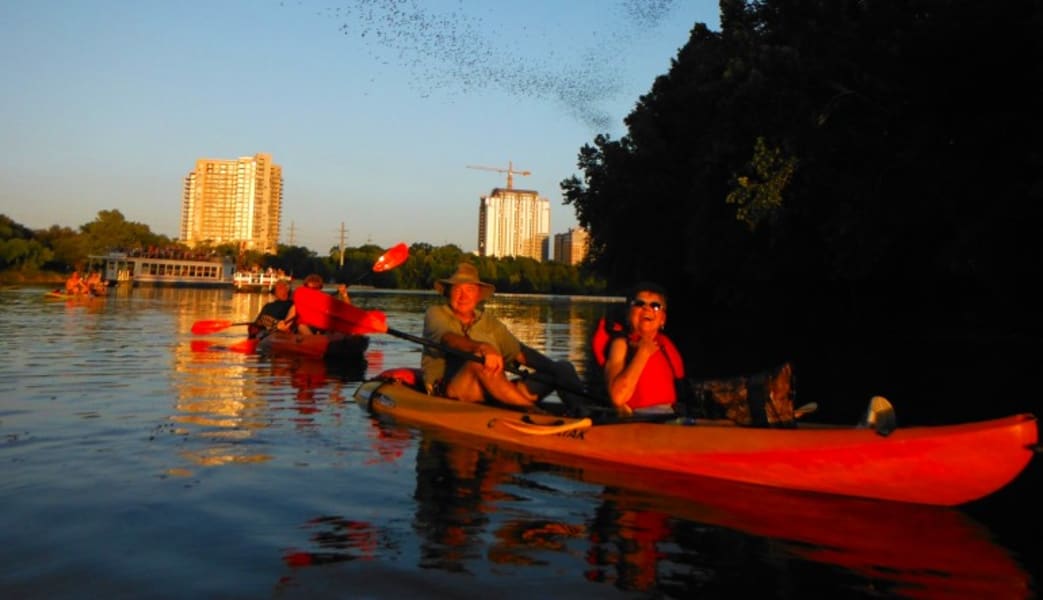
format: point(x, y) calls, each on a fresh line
point(166, 269)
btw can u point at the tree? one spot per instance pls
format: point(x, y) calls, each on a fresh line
point(874, 157)
point(111, 231)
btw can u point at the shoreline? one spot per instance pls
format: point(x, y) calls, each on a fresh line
point(14, 277)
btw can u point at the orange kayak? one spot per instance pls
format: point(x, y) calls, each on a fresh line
point(943, 465)
point(333, 345)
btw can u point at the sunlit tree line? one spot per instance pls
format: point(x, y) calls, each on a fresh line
point(25, 254)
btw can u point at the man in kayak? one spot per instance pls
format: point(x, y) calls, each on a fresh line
point(459, 324)
point(273, 314)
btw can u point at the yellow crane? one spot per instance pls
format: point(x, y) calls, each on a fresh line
point(509, 170)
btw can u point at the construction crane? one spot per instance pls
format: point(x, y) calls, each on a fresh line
point(509, 170)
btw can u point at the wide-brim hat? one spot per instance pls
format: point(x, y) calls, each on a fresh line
point(466, 273)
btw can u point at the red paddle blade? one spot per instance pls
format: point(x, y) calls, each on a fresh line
point(395, 256)
point(202, 327)
point(318, 309)
point(247, 346)
point(201, 345)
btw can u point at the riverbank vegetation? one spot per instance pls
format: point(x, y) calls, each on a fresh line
point(50, 255)
point(828, 171)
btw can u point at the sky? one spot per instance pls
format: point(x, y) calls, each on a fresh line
point(374, 109)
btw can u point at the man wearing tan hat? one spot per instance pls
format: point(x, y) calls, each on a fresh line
point(461, 325)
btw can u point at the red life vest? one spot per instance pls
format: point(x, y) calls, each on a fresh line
point(656, 384)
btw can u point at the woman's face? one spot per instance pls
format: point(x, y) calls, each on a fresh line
point(647, 312)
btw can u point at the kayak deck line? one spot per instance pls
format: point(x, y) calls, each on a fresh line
point(941, 465)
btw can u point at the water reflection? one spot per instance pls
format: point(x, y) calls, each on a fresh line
point(228, 397)
point(642, 532)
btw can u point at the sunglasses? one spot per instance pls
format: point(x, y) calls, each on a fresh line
point(655, 306)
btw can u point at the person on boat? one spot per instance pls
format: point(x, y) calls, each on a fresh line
point(95, 284)
point(273, 315)
point(76, 285)
point(342, 292)
point(461, 325)
point(641, 363)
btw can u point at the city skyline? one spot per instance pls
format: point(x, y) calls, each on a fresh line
point(373, 114)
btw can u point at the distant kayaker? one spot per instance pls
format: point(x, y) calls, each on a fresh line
point(461, 325)
point(76, 285)
point(342, 292)
point(641, 363)
point(95, 284)
point(273, 314)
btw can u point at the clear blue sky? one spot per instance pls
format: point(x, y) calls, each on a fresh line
point(372, 108)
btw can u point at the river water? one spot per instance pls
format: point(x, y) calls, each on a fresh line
point(141, 461)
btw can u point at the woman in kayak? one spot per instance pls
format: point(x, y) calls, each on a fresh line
point(641, 363)
point(459, 324)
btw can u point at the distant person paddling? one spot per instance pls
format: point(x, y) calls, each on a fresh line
point(273, 314)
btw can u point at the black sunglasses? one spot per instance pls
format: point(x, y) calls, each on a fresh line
point(638, 303)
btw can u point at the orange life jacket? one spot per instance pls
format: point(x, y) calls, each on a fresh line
point(657, 382)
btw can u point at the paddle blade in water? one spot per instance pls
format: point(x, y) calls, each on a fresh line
point(247, 346)
point(201, 345)
point(395, 256)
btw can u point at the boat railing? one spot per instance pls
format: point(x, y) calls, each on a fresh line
point(257, 280)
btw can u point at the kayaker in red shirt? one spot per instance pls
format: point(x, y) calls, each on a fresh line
point(641, 363)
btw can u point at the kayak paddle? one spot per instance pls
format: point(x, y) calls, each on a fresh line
point(215, 325)
point(395, 256)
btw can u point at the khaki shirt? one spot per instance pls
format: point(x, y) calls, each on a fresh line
point(440, 320)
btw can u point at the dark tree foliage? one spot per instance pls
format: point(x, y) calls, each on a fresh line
point(850, 159)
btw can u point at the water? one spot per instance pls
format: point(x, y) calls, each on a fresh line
point(136, 465)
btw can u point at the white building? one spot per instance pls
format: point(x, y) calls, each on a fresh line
point(513, 222)
point(233, 201)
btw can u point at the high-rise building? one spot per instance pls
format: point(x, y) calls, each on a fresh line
point(571, 247)
point(233, 200)
point(513, 222)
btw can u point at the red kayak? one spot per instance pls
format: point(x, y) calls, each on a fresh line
point(944, 465)
point(321, 345)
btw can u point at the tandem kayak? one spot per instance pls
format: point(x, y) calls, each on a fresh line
point(61, 295)
point(323, 345)
point(944, 465)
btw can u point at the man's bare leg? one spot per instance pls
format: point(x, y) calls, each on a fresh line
point(473, 381)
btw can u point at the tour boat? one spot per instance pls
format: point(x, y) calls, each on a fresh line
point(166, 269)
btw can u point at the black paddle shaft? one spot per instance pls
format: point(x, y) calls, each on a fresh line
point(511, 369)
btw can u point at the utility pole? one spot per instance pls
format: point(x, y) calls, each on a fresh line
point(293, 234)
point(343, 238)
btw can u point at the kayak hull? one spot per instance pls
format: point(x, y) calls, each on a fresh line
point(941, 465)
point(330, 346)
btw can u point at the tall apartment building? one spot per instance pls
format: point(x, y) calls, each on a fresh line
point(233, 200)
point(571, 247)
point(513, 222)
